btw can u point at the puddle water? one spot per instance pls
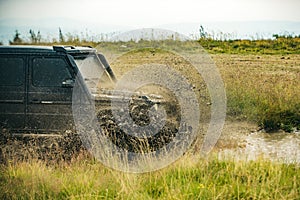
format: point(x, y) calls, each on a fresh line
point(281, 147)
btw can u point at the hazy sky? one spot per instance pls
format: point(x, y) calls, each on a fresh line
point(139, 13)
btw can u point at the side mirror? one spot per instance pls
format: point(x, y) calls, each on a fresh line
point(68, 83)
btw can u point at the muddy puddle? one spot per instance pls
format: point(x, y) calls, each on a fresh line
point(279, 147)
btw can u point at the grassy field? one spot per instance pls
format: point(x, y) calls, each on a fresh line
point(262, 80)
point(280, 45)
point(260, 88)
point(189, 178)
point(263, 89)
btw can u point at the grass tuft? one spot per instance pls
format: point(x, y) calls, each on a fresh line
point(187, 179)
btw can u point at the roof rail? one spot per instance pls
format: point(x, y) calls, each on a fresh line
point(59, 49)
point(70, 48)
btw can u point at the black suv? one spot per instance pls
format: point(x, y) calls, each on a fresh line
point(36, 85)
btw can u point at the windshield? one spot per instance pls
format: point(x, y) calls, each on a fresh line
point(94, 73)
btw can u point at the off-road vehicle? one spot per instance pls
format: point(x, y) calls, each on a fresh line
point(36, 87)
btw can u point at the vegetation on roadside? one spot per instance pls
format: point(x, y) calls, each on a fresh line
point(280, 45)
point(187, 179)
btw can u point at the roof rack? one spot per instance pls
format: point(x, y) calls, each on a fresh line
point(59, 49)
point(69, 46)
point(73, 49)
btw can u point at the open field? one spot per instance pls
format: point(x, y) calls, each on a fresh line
point(262, 91)
point(260, 88)
point(263, 88)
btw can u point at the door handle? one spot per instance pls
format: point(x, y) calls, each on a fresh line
point(46, 102)
point(35, 101)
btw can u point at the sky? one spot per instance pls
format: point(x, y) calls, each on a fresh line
point(140, 13)
point(97, 17)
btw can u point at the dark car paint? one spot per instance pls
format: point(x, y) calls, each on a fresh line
point(32, 107)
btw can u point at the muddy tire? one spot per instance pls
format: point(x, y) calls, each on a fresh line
point(140, 144)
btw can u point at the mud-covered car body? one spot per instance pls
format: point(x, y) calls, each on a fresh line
point(37, 83)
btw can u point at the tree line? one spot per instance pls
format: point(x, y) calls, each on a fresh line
point(35, 38)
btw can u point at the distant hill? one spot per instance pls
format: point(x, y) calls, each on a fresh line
point(225, 30)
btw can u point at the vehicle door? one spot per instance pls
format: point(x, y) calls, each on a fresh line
point(12, 91)
point(50, 93)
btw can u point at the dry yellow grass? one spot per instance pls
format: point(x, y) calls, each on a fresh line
point(260, 88)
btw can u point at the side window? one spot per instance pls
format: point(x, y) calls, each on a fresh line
point(11, 71)
point(49, 72)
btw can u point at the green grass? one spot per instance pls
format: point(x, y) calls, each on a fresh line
point(187, 179)
point(263, 89)
point(260, 88)
point(281, 45)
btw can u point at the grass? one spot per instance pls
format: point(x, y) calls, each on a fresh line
point(280, 45)
point(263, 89)
point(189, 178)
point(260, 88)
